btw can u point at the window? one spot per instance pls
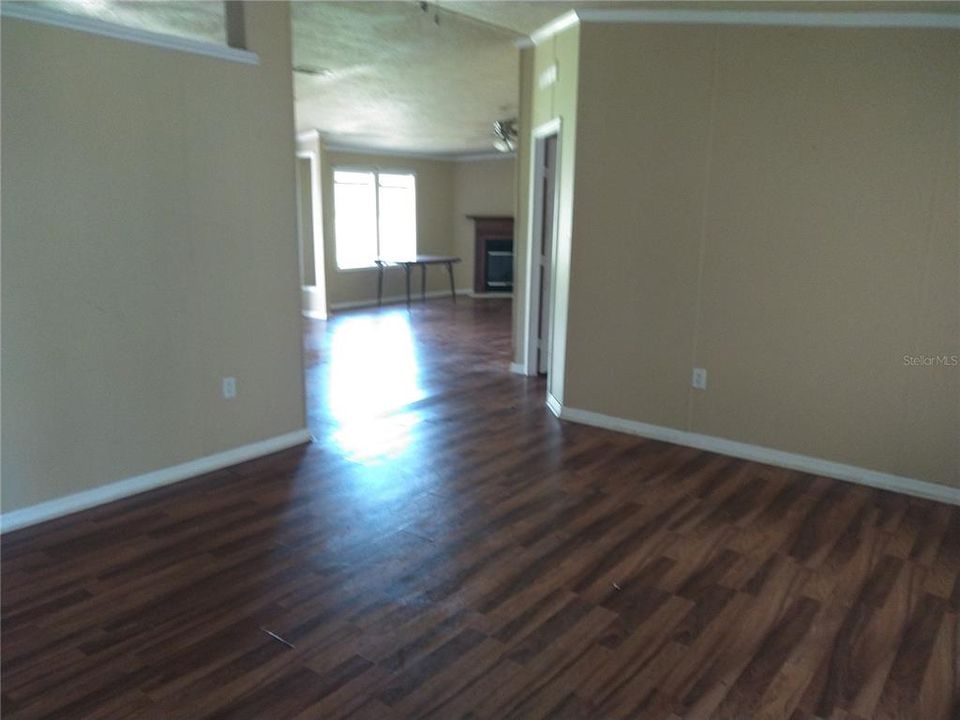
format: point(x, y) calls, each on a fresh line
point(375, 215)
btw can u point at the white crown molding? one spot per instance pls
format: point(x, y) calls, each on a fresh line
point(415, 154)
point(477, 157)
point(308, 136)
point(555, 26)
point(798, 18)
point(757, 453)
point(45, 16)
point(148, 481)
point(360, 150)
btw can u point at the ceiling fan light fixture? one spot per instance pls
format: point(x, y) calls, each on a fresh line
point(506, 135)
point(312, 70)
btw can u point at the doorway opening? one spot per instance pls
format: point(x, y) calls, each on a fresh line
point(541, 259)
point(310, 234)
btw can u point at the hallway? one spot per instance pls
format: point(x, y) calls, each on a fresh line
point(447, 548)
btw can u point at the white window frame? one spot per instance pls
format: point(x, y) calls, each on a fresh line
point(377, 171)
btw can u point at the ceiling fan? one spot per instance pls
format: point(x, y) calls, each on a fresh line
point(506, 132)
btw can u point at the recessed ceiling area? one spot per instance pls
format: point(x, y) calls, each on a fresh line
point(395, 76)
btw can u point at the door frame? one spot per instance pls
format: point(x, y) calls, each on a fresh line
point(314, 296)
point(534, 228)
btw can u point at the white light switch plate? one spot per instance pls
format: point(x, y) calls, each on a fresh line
point(699, 380)
point(229, 388)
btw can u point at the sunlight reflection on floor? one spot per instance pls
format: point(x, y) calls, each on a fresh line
point(374, 375)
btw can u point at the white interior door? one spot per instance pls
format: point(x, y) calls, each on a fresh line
point(546, 207)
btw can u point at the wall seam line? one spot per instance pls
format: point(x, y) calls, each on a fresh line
point(704, 202)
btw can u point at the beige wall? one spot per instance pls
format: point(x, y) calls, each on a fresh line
point(481, 187)
point(149, 248)
point(435, 183)
point(780, 207)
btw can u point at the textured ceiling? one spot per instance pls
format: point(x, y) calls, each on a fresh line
point(392, 78)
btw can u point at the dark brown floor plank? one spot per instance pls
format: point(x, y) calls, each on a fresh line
point(446, 548)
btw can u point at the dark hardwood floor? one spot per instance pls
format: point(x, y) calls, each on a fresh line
point(447, 549)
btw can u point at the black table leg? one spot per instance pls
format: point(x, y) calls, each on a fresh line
point(423, 283)
point(379, 285)
point(453, 293)
point(406, 270)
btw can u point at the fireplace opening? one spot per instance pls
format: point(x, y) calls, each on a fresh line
point(499, 266)
point(493, 254)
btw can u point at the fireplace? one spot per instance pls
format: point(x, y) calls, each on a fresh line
point(498, 275)
point(493, 254)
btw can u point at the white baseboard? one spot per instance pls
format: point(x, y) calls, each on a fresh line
point(554, 406)
point(757, 453)
point(314, 302)
point(394, 299)
point(518, 368)
point(148, 481)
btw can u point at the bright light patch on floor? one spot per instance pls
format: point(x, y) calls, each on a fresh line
point(378, 439)
point(374, 376)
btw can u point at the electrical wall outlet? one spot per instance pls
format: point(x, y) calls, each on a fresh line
point(699, 380)
point(229, 385)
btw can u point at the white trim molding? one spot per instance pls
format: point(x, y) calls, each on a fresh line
point(148, 481)
point(782, 18)
point(308, 136)
point(757, 453)
point(39, 14)
point(531, 309)
point(798, 18)
point(334, 147)
point(554, 406)
point(520, 369)
point(481, 156)
point(465, 156)
point(555, 26)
